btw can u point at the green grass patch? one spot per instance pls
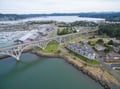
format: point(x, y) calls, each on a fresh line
point(117, 70)
point(51, 47)
point(61, 28)
point(88, 61)
point(38, 48)
point(51, 35)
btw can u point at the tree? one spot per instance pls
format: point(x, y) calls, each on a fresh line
point(112, 30)
point(74, 31)
point(110, 42)
point(59, 51)
point(107, 50)
point(100, 41)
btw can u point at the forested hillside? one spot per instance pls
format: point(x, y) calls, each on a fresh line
point(112, 30)
point(111, 16)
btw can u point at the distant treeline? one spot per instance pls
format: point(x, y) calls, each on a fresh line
point(78, 23)
point(112, 30)
point(6, 17)
point(83, 23)
point(111, 16)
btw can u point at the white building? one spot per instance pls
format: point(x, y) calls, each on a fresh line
point(99, 47)
point(82, 50)
point(30, 36)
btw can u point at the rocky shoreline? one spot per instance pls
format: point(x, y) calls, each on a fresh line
point(75, 63)
point(78, 67)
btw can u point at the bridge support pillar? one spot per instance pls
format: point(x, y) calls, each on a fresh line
point(16, 50)
point(18, 59)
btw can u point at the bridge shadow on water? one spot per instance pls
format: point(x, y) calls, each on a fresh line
point(20, 67)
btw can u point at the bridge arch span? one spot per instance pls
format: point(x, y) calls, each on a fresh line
point(16, 50)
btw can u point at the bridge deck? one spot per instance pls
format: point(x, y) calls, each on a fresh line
point(33, 42)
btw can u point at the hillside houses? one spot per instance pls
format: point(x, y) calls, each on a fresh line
point(113, 56)
point(83, 50)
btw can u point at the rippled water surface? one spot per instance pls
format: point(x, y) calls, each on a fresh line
point(33, 72)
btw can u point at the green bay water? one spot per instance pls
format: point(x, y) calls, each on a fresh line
point(33, 72)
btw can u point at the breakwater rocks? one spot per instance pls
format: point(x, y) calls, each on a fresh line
point(78, 67)
point(84, 71)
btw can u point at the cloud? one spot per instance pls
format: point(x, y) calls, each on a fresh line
point(52, 6)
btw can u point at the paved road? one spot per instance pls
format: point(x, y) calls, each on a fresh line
point(56, 37)
point(108, 67)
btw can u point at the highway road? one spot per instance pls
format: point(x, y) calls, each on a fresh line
point(56, 37)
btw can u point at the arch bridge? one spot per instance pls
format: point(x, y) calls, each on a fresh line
point(15, 51)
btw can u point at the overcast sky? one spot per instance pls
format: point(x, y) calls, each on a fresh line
point(58, 6)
